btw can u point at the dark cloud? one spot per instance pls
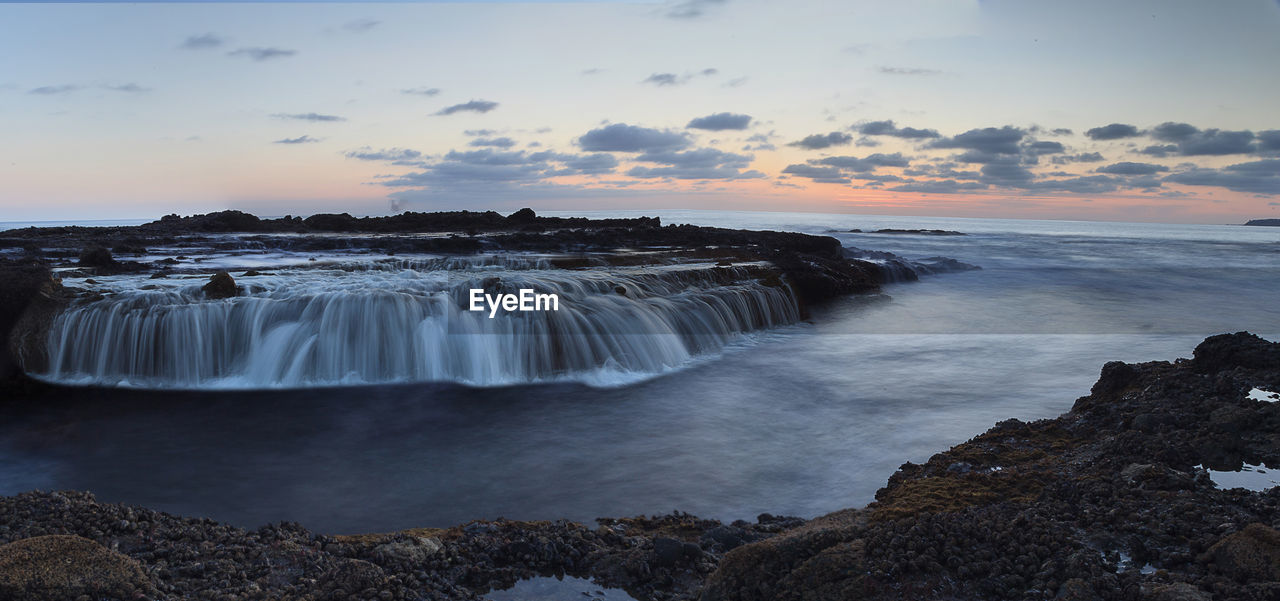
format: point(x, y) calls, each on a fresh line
point(54, 90)
point(1159, 150)
point(708, 72)
point(821, 175)
point(262, 54)
point(385, 154)
point(987, 140)
point(202, 42)
point(908, 71)
point(475, 106)
point(297, 140)
point(690, 9)
point(1128, 168)
point(1006, 173)
point(1114, 131)
point(621, 137)
point(360, 25)
point(1037, 148)
point(820, 141)
point(314, 117)
point(1216, 142)
point(421, 91)
point(592, 164)
point(1061, 131)
point(479, 132)
point(888, 128)
point(1090, 184)
point(502, 142)
point(700, 163)
point(1258, 177)
point(1173, 132)
point(721, 122)
point(944, 186)
point(1084, 157)
point(863, 165)
point(663, 79)
point(1269, 141)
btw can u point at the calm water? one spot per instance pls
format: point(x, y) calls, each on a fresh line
point(799, 420)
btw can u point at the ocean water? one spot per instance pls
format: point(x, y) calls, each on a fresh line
point(798, 419)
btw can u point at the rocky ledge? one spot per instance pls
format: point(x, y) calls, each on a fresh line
point(1108, 501)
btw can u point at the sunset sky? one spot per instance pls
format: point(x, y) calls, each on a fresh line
point(1135, 111)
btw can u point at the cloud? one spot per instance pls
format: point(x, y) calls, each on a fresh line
point(421, 91)
point(1084, 157)
point(1037, 148)
point(475, 106)
point(820, 141)
point(736, 82)
point(621, 137)
point(864, 165)
point(908, 71)
point(1128, 168)
point(987, 140)
point(720, 122)
point(386, 154)
point(360, 25)
point(592, 164)
point(1259, 177)
point(503, 142)
point(128, 88)
point(313, 117)
point(888, 128)
point(202, 42)
point(945, 186)
point(1159, 150)
point(297, 140)
point(1173, 132)
point(262, 54)
point(1006, 172)
point(663, 79)
point(1217, 142)
point(1114, 131)
point(1269, 141)
point(691, 9)
point(1090, 184)
point(1061, 131)
point(54, 90)
point(695, 164)
point(821, 175)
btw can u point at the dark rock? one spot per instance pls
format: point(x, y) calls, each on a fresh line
point(1240, 349)
point(525, 215)
point(220, 285)
point(97, 256)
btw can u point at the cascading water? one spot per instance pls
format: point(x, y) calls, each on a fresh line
point(408, 320)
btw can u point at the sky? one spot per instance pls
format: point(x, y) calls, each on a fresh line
point(1160, 111)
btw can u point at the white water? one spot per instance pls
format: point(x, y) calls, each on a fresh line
point(407, 320)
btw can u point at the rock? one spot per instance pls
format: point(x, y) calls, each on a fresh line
point(60, 567)
point(415, 550)
point(667, 551)
point(1177, 591)
point(525, 215)
point(1249, 555)
point(220, 285)
point(97, 256)
point(1240, 349)
point(1076, 589)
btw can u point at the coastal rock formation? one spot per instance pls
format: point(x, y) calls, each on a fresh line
point(1105, 502)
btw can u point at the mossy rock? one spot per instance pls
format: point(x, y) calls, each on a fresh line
point(60, 567)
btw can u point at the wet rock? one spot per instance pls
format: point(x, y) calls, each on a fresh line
point(61, 567)
point(1250, 555)
point(1177, 591)
point(220, 285)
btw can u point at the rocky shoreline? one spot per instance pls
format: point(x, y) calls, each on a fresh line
point(1107, 501)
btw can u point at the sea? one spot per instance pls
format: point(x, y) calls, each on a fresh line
point(800, 418)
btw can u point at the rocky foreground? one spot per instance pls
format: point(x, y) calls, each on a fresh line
point(1104, 502)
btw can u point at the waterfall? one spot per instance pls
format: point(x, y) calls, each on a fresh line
point(407, 320)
